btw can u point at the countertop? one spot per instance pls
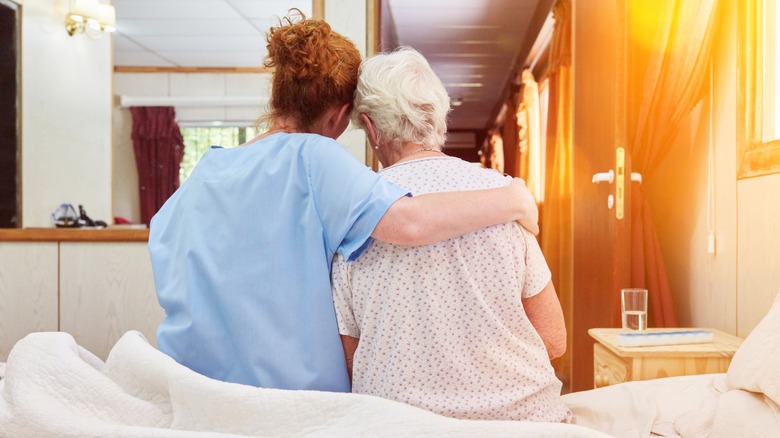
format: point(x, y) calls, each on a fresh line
point(110, 234)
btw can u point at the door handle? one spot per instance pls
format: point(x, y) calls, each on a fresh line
point(608, 177)
point(618, 177)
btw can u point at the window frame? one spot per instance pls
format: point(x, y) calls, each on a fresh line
point(755, 157)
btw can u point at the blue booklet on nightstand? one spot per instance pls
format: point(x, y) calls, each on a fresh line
point(646, 339)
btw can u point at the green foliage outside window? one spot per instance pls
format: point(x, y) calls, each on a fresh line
point(197, 140)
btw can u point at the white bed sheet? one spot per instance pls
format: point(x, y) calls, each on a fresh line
point(55, 388)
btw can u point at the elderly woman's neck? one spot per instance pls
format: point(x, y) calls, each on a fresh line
point(412, 151)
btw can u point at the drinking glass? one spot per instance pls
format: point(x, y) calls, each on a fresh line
point(634, 309)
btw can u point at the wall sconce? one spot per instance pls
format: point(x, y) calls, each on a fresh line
point(90, 17)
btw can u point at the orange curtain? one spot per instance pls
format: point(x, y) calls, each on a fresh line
point(496, 148)
point(509, 135)
point(556, 213)
point(523, 140)
point(529, 133)
point(670, 43)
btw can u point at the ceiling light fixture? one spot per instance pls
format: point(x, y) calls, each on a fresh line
point(90, 17)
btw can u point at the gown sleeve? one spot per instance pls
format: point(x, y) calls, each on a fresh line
point(349, 197)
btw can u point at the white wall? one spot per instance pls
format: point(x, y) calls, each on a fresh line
point(348, 17)
point(758, 269)
point(732, 289)
point(66, 116)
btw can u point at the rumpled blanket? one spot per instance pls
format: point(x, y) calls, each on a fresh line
point(55, 388)
point(698, 406)
point(661, 407)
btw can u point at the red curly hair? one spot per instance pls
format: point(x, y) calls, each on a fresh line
point(315, 69)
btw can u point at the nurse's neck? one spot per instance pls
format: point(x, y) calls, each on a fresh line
point(278, 125)
point(284, 124)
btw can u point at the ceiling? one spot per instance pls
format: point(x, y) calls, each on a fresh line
point(475, 46)
point(196, 33)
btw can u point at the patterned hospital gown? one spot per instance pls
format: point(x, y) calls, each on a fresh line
point(442, 326)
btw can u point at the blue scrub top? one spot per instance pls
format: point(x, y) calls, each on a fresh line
point(241, 256)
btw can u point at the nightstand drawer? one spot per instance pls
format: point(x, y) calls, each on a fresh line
point(608, 369)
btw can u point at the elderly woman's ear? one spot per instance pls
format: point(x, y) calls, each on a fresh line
point(373, 138)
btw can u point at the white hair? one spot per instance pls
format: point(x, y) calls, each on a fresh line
point(404, 99)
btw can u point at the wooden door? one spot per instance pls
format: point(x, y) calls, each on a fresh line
point(601, 244)
point(10, 92)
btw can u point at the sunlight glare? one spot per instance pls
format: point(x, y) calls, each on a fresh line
point(643, 21)
point(774, 131)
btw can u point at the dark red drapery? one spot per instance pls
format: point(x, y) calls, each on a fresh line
point(159, 149)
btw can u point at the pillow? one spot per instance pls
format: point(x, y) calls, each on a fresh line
point(755, 364)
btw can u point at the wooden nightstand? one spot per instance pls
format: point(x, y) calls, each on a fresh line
point(613, 364)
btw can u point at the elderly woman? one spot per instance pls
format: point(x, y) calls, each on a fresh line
point(241, 253)
point(465, 327)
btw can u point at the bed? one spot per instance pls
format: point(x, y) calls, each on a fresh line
point(52, 387)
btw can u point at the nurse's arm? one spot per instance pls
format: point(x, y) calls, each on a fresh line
point(350, 345)
point(434, 217)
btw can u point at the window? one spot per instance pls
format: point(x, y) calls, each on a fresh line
point(198, 139)
point(759, 48)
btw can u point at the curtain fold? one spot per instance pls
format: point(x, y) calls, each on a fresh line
point(496, 148)
point(529, 134)
point(510, 136)
point(669, 69)
point(556, 212)
point(159, 149)
point(523, 140)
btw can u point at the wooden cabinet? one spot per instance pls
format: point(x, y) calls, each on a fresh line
point(613, 364)
point(106, 289)
point(93, 284)
point(28, 291)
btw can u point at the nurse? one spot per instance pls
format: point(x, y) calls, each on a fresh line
point(241, 253)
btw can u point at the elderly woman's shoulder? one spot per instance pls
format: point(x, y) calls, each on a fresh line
point(481, 175)
point(499, 178)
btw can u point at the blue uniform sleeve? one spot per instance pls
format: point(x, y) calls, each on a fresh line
point(349, 197)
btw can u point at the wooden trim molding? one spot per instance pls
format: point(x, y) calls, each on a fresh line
point(153, 69)
point(761, 159)
point(318, 9)
point(373, 34)
point(73, 235)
